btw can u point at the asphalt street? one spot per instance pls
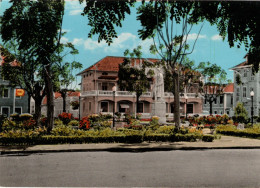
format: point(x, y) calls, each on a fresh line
point(196, 168)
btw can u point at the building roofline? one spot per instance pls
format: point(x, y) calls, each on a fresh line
point(85, 70)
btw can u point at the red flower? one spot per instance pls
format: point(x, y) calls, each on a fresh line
point(84, 123)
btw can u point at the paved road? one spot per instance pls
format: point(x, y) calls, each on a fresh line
point(206, 168)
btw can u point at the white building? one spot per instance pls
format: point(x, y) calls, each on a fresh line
point(223, 103)
point(249, 82)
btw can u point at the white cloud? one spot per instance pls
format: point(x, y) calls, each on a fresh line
point(75, 12)
point(146, 44)
point(193, 36)
point(90, 44)
point(78, 41)
point(217, 37)
point(74, 4)
point(124, 41)
point(64, 40)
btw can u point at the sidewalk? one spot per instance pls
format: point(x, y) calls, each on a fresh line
point(226, 142)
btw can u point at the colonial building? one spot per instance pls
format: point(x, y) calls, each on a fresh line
point(58, 104)
point(98, 96)
point(249, 81)
point(223, 104)
point(9, 102)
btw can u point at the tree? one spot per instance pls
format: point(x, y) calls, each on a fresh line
point(241, 114)
point(215, 80)
point(160, 20)
point(237, 20)
point(36, 27)
point(63, 71)
point(135, 78)
point(23, 74)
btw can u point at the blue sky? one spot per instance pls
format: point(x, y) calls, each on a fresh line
point(209, 47)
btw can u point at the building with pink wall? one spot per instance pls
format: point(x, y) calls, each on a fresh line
point(97, 95)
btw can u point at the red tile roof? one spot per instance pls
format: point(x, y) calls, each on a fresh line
point(229, 88)
point(111, 63)
point(58, 95)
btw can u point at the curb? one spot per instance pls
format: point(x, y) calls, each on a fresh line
point(4, 152)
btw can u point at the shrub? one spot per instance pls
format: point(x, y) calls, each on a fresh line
point(208, 138)
point(154, 123)
point(75, 105)
point(58, 122)
point(9, 124)
point(73, 123)
point(253, 132)
point(43, 121)
point(29, 124)
point(65, 117)
point(62, 130)
point(240, 113)
point(2, 119)
point(165, 129)
point(25, 116)
point(84, 123)
point(16, 133)
point(15, 117)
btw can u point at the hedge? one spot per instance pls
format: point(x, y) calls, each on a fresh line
point(97, 139)
point(208, 138)
point(240, 133)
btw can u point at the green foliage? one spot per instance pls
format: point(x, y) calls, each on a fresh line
point(22, 133)
point(240, 113)
point(165, 129)
point(253, 132)
point(73, 123)
point(154, 123)
point(102, 17)
point(131, 78)
point(208, 138)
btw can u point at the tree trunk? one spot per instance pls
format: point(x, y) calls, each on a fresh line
point(176, 100)
point(38, 110)
point(29, 104)
point(50, 100)
point(137, 102)
point(64, 96)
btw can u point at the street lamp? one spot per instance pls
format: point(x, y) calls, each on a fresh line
point(252, 108)
point(114, 94)
point(186, 98)
point(79, 105)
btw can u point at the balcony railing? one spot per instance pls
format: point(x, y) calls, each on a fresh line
point(130, 94)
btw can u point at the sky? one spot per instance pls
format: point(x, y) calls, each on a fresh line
point(209, 46)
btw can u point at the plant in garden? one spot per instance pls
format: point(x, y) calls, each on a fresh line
point(29, 123)
point(118, 116)
point(25, 116)
point(65, 117)
point(75, 105)
point(43, 121)
point(154, 123)
point(241, 115)
point(73, 123)
point(62, 130)
point(84, 123)
point(15, 117)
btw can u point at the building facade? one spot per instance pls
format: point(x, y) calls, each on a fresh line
point(58, 104)
point(97, 95)
point(223, 103)
point(249, 82)
point(9, 103)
